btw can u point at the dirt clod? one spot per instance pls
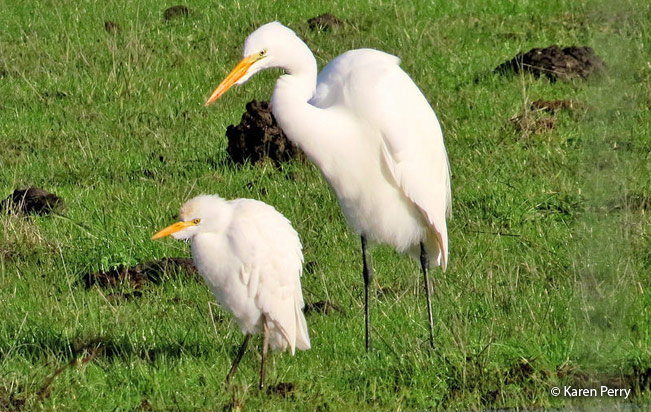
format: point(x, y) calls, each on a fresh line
point(176, 12)
point(111, 27)
point(283, 389)
point(258, 137)
point(555, 63)
point(32, 200)
point(139, 274)
point(324, 22)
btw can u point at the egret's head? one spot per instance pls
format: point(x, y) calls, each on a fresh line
point(266, 47)
point(204, 213)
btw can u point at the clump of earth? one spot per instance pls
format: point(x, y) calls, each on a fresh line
point(324, 22)
point(32, 201)
point(137, 276)
point(176, 12)
point(555, 63)
point(258, 137)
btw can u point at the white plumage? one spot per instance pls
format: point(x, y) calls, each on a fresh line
point(371, 132)
point(395, 187)
point(250, 257)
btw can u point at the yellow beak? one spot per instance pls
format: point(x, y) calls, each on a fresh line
point(236, 74)
point(172, 229)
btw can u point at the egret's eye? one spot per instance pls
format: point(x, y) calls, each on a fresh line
point(196, 221)
point(262, 53)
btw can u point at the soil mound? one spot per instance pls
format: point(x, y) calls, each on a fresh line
point(555, 63)
point(139, 274)
point(259, 137)
point(32, 201)
point(176, 12)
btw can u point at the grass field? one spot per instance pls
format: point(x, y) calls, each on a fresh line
point(549, 281)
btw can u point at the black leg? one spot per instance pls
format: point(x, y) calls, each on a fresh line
point(367, 272)
point(236, 362)
point(265, 344)
point(424, 264)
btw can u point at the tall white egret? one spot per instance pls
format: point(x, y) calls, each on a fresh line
point(250, 256)
point(372, 133)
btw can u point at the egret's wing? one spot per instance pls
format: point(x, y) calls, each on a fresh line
point(333, 79)
point(383, 96)
point(272, 263)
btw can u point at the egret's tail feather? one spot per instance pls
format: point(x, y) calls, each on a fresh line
point(302, 336)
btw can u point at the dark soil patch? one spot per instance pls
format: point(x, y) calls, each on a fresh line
point(555, 63)
point(519, 373)
point(32, 201)
point(258, 137)
point(284, 389)
point(137, 276)
point(324, 22)
point(323, 306)
point(11, 401)
point(553, 106)
point(111, 27)
point(175, 12)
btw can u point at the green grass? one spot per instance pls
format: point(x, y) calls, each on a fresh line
point(549, 278)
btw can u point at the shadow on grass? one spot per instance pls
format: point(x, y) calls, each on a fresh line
point(109, 348)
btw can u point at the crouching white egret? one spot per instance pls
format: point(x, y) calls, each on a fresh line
point(250, 256)
point(372, 133)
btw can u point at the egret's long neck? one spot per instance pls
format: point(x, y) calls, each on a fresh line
point(300, 120)
point(299, 82)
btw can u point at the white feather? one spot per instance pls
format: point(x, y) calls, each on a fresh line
point(250, 257)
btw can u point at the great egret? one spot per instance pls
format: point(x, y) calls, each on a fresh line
point(372, 133)
point(250, 256)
